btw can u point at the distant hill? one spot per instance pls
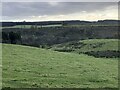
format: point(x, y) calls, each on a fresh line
point(57, 32)
point(73, 22)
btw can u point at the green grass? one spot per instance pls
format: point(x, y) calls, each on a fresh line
point(0, 66)
point(89, 45)
point(59, 25)
point(30, 26)
point(30, 67)
point(19, 26)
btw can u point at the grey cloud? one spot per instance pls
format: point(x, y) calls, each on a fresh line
point(22, 9)
point(60, 0)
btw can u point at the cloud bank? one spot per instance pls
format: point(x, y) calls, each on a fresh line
point(46, 11)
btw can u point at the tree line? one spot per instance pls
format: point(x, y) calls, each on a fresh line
point(11, 37)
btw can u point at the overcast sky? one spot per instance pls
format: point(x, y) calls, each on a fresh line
point(47, 11)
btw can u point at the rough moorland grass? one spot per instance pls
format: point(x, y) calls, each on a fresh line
point(26, 67)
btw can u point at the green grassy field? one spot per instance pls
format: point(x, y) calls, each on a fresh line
point(58, 25)
point(26, 67)
point(89, 45)
point(31, 26)
point(19, 26)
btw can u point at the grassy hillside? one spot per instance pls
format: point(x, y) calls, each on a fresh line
point(89, 45)
point(25, 67)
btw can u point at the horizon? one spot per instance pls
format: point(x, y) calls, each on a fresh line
point(66, 20)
